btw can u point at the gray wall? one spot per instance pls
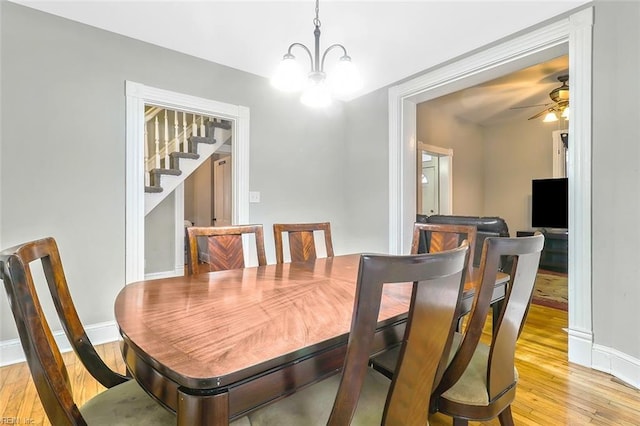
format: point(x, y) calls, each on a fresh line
point(159, 237)
point(616, 176)
point(515, 153)
point(366, 173)
point(63, 146)
point(435, 127)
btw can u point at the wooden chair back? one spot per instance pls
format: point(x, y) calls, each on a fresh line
point(440, 237)
point(43, 355)
point(438, 284)
point(223, 249)
point(302, 245)
point(500, 370)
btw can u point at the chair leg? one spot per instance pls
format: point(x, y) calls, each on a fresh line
point(460, 422)
point(505, 417)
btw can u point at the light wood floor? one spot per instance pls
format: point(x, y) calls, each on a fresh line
point(550, 391)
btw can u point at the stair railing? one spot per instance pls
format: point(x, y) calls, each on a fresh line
point(159, 158)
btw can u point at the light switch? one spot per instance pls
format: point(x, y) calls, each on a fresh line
point(254, 196)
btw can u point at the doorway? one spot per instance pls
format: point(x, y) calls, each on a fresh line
point(572, 35)
point(434, 180)
point(137, 95)
point(222, 192)
point(208, 192)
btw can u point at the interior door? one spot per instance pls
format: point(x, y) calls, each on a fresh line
point(434, 180)
point(430, 193)
point(222, 192)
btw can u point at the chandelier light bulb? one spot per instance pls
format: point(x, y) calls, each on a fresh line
point(316, 95)
point(344, 78)
point(289, 76)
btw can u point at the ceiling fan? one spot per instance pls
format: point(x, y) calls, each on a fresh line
point(560, 98)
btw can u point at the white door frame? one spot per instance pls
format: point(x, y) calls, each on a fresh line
point(559, 154)
point(137, 96)
point(573, 33)
point(445, 197)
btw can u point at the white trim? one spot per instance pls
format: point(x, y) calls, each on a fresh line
point(139, 94)
point(179, 230)
point(435, 149)
point(579, 172)
point(510, 55)
point(559, 154)
point(11, 350)
point(178, 272)
point(240, 167)
point(619, 364)
point(134, 193)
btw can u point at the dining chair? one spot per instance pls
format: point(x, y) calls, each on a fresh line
point(480, 381)
point(218, 248)
point(124, 402)
point(360, 395)
point(302, 245)
point(435, 237)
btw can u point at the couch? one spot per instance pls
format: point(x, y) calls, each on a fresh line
point(491, 226)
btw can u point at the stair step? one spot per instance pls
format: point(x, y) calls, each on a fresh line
point(157, 173)
point(218, 124)
point(195, 140)
point(189, 155)
point(174, 158)
point(153, 189)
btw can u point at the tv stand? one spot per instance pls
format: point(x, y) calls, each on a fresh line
point(554, 256)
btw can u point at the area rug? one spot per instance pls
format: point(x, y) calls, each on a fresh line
point(551, 290)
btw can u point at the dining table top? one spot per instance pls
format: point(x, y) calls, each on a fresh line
point(213, 329)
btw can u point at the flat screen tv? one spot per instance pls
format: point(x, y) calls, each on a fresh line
point(550, 203)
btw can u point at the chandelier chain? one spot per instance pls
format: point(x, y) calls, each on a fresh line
point(316, 21)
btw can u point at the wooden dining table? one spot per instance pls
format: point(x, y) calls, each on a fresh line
point(214, 346)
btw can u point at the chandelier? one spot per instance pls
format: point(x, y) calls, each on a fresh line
point(317, 86)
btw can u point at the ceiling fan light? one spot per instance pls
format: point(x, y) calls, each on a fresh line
point(550, 117)
point(565, 113)
point(289, 76)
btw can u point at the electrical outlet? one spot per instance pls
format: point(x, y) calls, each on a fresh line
point(254, 196)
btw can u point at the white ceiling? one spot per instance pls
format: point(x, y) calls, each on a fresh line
point(388, 40)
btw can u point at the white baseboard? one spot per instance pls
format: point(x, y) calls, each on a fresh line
point(618, 364)
point(178, 272)
point(580, 346)
point(11, 350)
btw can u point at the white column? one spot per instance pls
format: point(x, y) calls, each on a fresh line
point(166, 140)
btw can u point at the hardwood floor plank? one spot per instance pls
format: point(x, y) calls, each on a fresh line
point(551, 391)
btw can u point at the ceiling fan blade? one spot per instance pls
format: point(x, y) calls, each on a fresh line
point(529, 106)
point(540, 114)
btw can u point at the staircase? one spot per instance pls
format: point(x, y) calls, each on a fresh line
point(182, 155)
